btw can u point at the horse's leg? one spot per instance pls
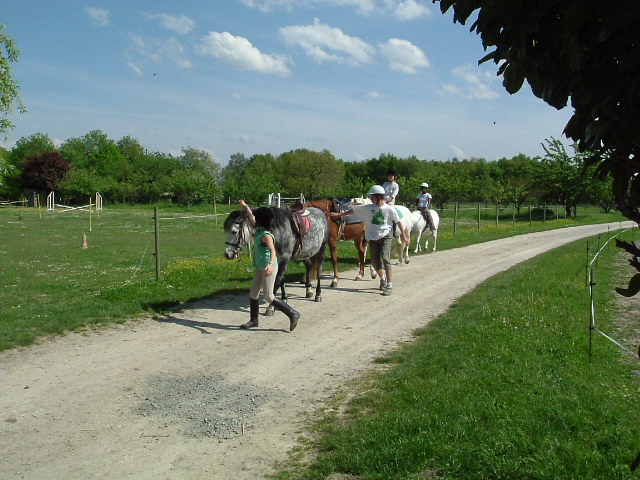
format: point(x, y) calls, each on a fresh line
point(333, 250)
point(435, 239)
point(407, 246)
point(319, 267)
point(405, 251)
point(361, 246)
point(372, 271)
point(398, 249)
point(309, 269)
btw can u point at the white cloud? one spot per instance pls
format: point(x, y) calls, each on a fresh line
point(458, 152)
point(403, 56)
point(476, 83)
point(179, 24)
point(157, 50)
point(327, 44)
point(364, 7)
point(403, 10)
point(241, 54)
point(450, 88)
point(99, 16)
point(135, 68)
point(410, 10)
point(376, 95)
point(269, 5)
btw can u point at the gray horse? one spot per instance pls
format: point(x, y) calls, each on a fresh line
point(311, 250)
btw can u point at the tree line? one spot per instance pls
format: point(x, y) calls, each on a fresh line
point(124, 171)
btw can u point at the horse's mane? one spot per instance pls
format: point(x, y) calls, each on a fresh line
point(232, 218)
point(281, 217)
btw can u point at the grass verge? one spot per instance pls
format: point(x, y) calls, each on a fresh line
point(500, 387)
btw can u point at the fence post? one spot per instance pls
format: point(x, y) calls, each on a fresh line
point(157, 254)
point(529, 214)
point(497, 213)
point(513, 216)
point(587, 265)
point(455, 217)
point(544, 214)
point(478, 216)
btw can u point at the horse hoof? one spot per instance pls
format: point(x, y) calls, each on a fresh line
point(358, 278)
point(334, 284)
point(309, 295)
point(318, 299)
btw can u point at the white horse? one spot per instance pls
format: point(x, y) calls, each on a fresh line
point(407, 224)
point(418, 229)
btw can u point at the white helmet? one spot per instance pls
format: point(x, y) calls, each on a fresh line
point(376, 190)
point(424, 184)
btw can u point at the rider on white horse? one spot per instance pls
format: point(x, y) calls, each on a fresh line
point(423, 203)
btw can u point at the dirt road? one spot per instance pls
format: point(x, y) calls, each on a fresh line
point(190, 396)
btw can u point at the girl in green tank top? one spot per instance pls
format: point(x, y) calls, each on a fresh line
point(265, 261)
point(261, 253)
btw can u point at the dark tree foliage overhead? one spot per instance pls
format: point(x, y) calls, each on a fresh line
point(583, 53)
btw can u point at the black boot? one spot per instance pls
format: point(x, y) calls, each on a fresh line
point(254, 308)
point(288, 311)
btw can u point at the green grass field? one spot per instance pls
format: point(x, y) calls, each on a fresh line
point(50, 285)
point(500, 387)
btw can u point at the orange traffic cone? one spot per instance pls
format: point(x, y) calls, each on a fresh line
point(84, 241)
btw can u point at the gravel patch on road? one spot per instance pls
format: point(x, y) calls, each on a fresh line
point(202, 406)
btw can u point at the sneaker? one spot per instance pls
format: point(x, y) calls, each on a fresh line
point(383, 284)
point(387, 291)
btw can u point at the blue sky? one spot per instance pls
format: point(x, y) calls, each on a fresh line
point(356, 77)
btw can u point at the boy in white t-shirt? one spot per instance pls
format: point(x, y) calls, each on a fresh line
point(377, 218)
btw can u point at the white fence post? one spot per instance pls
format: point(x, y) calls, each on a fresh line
point(51, 202)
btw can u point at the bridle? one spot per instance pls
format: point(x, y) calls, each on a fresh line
point(240, 240)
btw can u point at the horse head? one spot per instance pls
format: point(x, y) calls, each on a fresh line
point(237, 229)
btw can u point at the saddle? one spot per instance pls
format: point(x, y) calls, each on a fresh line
point(300, 223)
point(342, 205)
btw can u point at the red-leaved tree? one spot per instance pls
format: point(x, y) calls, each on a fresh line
point(42, 172)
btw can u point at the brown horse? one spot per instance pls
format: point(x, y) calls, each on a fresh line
point(340, 231)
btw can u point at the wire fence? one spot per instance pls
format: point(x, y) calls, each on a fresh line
point(593, 253)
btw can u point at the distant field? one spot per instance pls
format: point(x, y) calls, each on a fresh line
point(51, 285)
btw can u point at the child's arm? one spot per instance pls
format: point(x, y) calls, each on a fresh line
point(341, 214)
point(248, 211)
point(268, 241)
